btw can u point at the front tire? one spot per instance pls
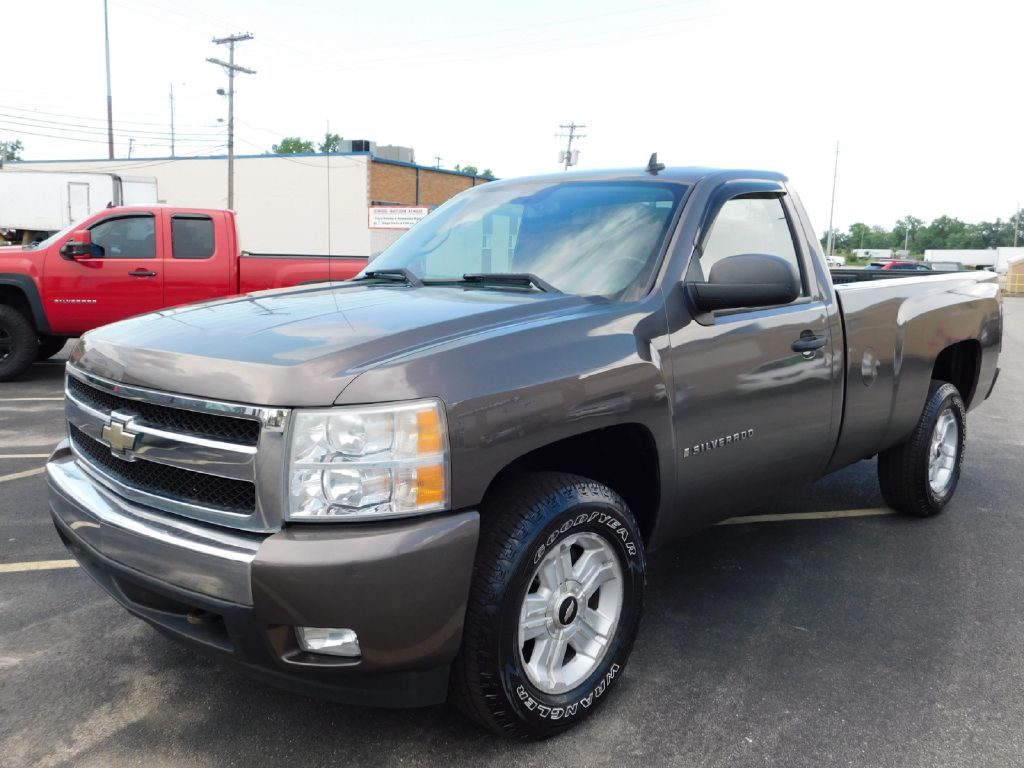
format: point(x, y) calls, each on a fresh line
point(18, 343)
point(554, 605)
point(920, 475)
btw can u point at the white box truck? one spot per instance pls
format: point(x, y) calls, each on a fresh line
point(35, 204)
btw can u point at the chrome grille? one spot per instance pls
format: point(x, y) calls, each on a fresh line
point(233, 430)
point(208, 460)
point(235, 496)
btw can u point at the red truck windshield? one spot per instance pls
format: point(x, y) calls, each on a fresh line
point(586, 238)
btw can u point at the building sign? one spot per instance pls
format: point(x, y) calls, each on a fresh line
point(395, 216)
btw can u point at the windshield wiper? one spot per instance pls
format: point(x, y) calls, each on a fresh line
point(392, 274)
point(525, 279)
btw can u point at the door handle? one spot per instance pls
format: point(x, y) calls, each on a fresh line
point(142, 273)
point(808, 342)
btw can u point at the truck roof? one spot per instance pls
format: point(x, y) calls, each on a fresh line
point(149, 206)
point(682, 174)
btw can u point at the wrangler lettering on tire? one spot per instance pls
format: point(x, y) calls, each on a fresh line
point(554, 605)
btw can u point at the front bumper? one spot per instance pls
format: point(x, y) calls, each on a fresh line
point(401, 586)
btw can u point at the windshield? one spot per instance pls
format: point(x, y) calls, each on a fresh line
point(54, 238)
point(588, 238)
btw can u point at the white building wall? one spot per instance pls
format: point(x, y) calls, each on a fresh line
point(281, 201)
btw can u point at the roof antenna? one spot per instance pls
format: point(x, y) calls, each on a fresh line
point(653, 166)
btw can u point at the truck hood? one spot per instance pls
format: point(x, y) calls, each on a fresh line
point(301, 346)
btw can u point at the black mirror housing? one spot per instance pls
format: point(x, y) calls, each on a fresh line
point(747, 280)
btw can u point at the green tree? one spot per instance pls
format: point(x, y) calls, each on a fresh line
point(471, 169)
point(331, 143)
point(292, 145)
point(487, 173)
point(11, 150)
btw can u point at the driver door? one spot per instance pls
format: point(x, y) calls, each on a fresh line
point(122, 278)
point(752, 415)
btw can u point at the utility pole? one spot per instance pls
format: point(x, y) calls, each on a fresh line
point(231, 68)
point(438, 163)
point(172, 118)
point(568, 156)
point(110, 102)
point(832, 210)
point(131, 143)
point(1016, 226)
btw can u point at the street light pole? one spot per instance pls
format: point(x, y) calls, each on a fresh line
point(832, 210)
point(110, 103)
point(172, 118)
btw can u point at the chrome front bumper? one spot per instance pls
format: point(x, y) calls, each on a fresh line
point(401, 585)
point(200, 558)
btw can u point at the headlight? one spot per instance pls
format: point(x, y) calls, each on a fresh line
point(368, 462)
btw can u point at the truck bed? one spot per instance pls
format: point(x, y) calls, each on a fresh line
point(843, 275)
point(895, 329)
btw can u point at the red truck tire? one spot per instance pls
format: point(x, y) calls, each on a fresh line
point(19, 343)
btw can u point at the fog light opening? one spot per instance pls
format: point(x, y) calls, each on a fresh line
point(333, 641)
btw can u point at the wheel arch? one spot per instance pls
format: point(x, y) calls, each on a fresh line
point(960, 365)
point(20, 292)
point(624, 457)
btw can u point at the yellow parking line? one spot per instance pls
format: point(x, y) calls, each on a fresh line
point(19, 475)
point(38, 565)
point(24, 455)
point(809, 516)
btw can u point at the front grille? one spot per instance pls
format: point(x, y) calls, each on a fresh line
point(219, 493)
point(211, 426)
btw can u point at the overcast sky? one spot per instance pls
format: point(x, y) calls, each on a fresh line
point(925, 98)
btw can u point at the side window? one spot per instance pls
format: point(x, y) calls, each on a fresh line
point(192, 237)
point(750, 225)
point(126, 237)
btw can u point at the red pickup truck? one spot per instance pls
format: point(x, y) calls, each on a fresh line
point(127, 261)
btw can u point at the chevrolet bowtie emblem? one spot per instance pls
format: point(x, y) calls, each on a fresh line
point(120, 439)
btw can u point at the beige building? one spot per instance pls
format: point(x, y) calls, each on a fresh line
point(346, 204)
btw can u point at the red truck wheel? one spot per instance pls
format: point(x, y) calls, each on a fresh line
point(18, 343)
point(553, 608)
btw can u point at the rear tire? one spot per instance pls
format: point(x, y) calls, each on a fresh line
point(50, 346)
point(920, 475)
point(554, 605)
point(18, 343)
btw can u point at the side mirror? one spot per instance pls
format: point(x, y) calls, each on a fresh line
point(79, 246)
point(747, 280)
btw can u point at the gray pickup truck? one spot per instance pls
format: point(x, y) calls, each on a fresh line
point(440, 479)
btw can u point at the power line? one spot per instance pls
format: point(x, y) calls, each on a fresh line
point(632, 12)
point(59, 125)
point(231, 68)
point(33, 111)
point(134, 164)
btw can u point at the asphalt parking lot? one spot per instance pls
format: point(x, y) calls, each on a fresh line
point(812, 640)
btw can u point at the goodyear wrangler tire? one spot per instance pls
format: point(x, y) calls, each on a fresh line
point(919, 476)
point(18, 343)
point(554, 606)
